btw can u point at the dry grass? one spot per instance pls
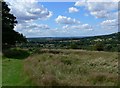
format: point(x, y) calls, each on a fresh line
point(73, 68)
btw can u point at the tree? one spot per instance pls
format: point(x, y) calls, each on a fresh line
point(73, 45)
point(9, 36)
point(99, 46)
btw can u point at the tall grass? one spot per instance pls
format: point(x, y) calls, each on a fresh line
point(73, 68)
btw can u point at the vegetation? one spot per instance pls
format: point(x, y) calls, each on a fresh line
point(57, 61)
point(9, 36)
point(100, 43)
point(16, 53)
point(0, 70)
point(13, 73)
point(73, 68)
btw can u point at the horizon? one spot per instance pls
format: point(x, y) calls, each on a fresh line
point(64, 19)
point(73, 36)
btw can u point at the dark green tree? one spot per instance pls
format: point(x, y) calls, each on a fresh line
point(99, 46)
point(9, 36)
point(73, 45)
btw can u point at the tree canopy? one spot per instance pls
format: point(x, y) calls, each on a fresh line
point(9, 35)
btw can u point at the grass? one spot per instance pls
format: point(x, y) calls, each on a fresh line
point(13, 73)
point(59, 68)
point(0, 70)
point(73, 68)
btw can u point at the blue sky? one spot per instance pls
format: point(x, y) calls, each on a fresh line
point(65, 19)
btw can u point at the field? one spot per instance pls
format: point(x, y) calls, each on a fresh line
point(73, 68)
point(13, 73)
point(58, 67)
point(59, 44)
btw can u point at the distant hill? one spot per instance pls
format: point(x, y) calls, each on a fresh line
point(113, 36)
point(102, 42)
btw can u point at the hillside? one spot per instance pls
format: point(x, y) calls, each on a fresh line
point(104, 42)
point(38, 39)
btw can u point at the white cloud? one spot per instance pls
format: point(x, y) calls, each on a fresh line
point(65, 27)
point(66, 20)
point(80, 3)
point(103, 0)
point(79, 27)
point(110, 24)
point(73, 10)
point(28, 10)
point(98, 8)
point(28, 14)
point(86, 26)
point(28, 27)
point(82, 27)
point(100, 14)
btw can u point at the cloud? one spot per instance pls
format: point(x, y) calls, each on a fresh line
point(79, 27)
point(26, 10)
point(86, 26)
point(82, 27)
point(98, 8)
point(80, 3)
point(73, 10)
point(65, 27)
point(31, 27)
point(110, 24)
point(66, 20)
point(100, 14)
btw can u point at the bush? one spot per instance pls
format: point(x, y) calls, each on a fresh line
point(16, 53)
point(99, 46)
point(73, 46)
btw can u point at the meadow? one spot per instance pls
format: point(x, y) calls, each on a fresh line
point(59, 67)
point(72, 68)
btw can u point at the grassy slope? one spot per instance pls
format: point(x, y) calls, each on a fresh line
point(13, 73)
point(75, 68)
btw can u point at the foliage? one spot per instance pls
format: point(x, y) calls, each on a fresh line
point(99, 46)
point(73, 45)
point(9, 36)
point(100, 43)
point(16, 53)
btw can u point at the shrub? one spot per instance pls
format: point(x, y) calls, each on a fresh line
point(16, 53)
point(99, 46)
point(73, 46)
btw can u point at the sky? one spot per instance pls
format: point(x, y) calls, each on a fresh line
point(64, 19)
